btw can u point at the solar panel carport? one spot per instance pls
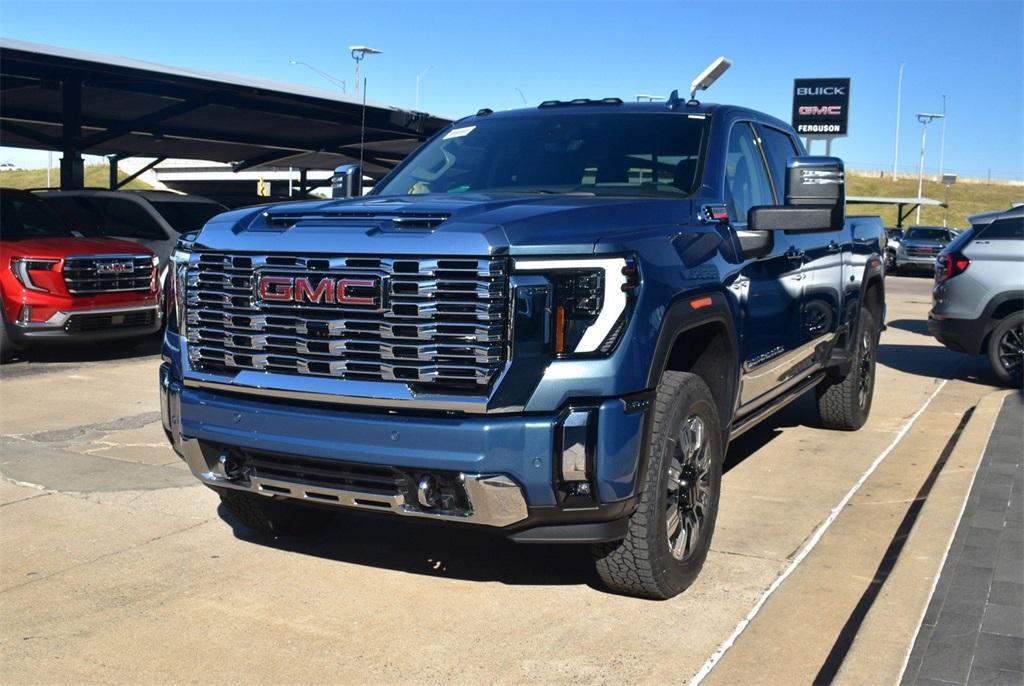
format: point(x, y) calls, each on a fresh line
point(76, 102)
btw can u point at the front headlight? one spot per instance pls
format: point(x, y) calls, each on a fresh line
point(174, 283)
point(23, 268)
point(591, 300)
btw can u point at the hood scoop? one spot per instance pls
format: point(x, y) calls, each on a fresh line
point(383, 221)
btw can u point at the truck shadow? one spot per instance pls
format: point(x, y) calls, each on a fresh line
point(919, 326)
point(430, 550)
point(86, 352)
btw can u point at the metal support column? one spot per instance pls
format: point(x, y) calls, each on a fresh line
point(303, 189)
point(72, 167)
point(112, 183)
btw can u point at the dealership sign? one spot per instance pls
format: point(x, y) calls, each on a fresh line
point(821, 107)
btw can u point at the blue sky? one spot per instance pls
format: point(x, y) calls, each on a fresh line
point(480, 52)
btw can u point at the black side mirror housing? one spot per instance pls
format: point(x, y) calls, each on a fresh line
point(815, 198)
point(755, 244)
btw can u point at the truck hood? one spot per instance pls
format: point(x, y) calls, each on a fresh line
point(464, 224)
point(58, 248)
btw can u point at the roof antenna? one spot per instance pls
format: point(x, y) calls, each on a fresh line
point(708, 77)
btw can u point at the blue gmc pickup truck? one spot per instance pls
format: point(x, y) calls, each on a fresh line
point(547, 323)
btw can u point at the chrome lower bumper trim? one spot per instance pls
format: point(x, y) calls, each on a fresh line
point(495, 500)
point(61, 317)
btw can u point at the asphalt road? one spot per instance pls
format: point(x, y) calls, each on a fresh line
point(117, 567)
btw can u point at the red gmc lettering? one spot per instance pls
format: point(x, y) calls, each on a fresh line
point(832, 110)
point(322, 293)
point(276, 288)
point(343, 298)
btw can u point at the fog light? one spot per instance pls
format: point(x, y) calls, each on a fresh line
point(25, 315)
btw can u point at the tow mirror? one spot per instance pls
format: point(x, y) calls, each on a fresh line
point(347, 181)
point(815, 198)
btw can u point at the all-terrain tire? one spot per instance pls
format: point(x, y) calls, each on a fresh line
point(844, 402)
point(275, 517)
point(643, 564)
point(1004, 349)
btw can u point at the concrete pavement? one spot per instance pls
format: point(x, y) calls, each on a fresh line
point(117, 567)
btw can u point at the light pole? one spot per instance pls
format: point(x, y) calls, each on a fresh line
point(336, 81)
point(359, 52)
point(418, 77)
point(518, 90)
point(947, 181)
point(925, 119)
point(896, 145)
point(942, 145)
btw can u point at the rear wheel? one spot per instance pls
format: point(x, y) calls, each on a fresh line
point(670, 532)
point(275, 517)
point(1006, 349)
point(844, 402)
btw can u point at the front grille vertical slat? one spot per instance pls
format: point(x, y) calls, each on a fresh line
point(92, 274)
point(442, 324)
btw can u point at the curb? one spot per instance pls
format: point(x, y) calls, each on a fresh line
point(880, 651)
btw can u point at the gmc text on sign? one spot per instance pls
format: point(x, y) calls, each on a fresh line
point(821, 107)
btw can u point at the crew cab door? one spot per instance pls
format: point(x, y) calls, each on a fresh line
point(769, 288)
point(821, 256)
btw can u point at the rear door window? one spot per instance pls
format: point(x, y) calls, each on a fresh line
point(1008, 229)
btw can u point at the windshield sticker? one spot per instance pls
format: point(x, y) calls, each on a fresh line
point(459, 133)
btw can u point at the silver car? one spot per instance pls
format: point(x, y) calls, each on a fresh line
point(978, 297)
point(919, 247)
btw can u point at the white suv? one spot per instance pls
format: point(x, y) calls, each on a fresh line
point(153, 218)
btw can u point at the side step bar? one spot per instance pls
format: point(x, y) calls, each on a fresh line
point(742, 425)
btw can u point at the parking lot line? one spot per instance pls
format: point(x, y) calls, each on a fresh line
point(724, 647)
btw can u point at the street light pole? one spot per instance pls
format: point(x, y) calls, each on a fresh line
point(925, 119)
point(418, 77)
point(896, 145)
point(359, 53)
point(942, 145)
point(336, 81)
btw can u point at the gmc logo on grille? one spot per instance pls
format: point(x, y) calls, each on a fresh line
point(114, 267)
point(327, 290)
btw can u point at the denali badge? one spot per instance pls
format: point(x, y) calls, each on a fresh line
point(327, 290)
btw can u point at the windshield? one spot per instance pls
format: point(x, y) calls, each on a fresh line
point(187, 216)
point(622, 154)
point(22, 218)
point(927, 235)
point(103, 215)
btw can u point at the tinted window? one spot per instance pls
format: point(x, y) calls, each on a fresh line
point(603, 154)
point(1009, 229)
point(924, 234)
point(746, 179)
point(779, 147)
point(22, 218)
point(960, 241)
point(99, 215)
point(186, 216)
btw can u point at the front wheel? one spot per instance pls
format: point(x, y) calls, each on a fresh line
point(1006, 349)
point(844, 402)
point(670, 532)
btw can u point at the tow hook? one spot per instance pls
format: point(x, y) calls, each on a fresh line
point(427, 492)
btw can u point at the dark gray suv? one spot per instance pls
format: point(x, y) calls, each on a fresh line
point(978, 298)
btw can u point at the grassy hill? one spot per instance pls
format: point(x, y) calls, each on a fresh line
point(96, 176)
point(965, 198)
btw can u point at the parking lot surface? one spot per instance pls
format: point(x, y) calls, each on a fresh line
point(117, 566)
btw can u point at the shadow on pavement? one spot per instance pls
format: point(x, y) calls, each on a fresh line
point(417, 548)
point(84, 352)
point(936, 362)
point(912, 325)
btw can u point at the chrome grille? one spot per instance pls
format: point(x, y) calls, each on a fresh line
point(88, 274)
point(441, 321)
point(923, 251)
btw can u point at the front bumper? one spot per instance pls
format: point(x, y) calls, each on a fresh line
point(90, 324)
point(916, 261)
point(506, 465)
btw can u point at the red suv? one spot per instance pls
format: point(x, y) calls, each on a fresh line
point(57, 285)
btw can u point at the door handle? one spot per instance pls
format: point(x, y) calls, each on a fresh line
point(832, 248)
point(795, 254)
